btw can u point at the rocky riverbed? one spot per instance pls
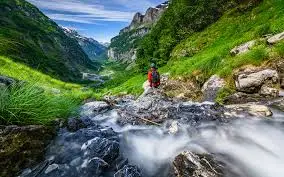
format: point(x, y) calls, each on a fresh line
point(155, 136)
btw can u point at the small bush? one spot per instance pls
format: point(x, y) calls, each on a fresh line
point(27, 104)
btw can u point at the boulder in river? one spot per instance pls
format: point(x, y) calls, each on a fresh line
point(94, 108)
point(197, 165)
point(128, 171)
point(22, 147)
point(75, 124)
point(250, 109)
point(211, 87)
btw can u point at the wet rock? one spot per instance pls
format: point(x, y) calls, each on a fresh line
point(242, 98)
point(55, 170)
point(276, 38)
point(51, 168)
point(194, 114)
point(94, 108)
point(22, 147)
point(75, 124)
point(251, 81)
point(268, 91)
point(243, 48)
point(251, 109)
point(87, 152)
point(279, 104)
point(197, 165)
point(101, 147)
point(93, 167)
point(211, 88)
point(128, 171)
point(150, 108)
point(114, 100)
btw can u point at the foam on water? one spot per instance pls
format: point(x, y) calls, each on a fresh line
point(254, 147)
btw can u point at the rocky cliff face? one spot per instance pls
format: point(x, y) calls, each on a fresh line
point(95, 50)
point(123, 47)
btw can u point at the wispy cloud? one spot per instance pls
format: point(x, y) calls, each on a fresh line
point(82, 12)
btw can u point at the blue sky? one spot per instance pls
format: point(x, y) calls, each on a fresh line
point(100, 19)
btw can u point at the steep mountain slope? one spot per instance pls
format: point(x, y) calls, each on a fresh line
point(182, 19)
point(124, 46)
point(95, 50)
point(197, 55)
point(28, 36)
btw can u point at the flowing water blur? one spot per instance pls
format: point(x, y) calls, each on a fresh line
point(251, 147)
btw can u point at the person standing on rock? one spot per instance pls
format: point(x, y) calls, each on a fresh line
point(154, 76)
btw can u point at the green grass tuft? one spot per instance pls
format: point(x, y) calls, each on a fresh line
point(28, 104)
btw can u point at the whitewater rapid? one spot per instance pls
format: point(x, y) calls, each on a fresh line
point(251, 147)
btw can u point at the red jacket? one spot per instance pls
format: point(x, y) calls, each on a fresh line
point(152, 84)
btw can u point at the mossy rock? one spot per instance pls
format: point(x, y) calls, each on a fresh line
point(22, 147)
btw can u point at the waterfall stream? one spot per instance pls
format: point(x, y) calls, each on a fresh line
point(251, 147)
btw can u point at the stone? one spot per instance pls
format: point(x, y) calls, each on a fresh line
point(242, 98)
point(268, 91)
point(251, 82)
point(279, 104)
point(75, 124)
point(211, 88)
point(102, 148)
point(93, 167)
point(51, 168)
point(276, 38)
point(197, 165)
point(128, 171)
point(251, 109)
point(22, 147)
point(93, 108)
point(243, 48)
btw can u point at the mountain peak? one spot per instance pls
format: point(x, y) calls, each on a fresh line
point(94, 49)
point(151, 16)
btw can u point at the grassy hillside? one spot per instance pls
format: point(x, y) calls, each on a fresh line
point(40, 100)
point(28, 36)
point(207, 52)
point(182, 19)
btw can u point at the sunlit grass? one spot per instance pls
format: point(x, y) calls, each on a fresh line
point(28, 104)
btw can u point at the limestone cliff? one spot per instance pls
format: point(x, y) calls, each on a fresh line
point(124, 46)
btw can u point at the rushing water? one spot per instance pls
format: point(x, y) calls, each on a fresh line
point(250, 147)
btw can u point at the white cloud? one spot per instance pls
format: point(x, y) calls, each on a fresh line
point(81, 12)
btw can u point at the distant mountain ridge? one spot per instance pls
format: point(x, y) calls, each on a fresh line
point(94, 49)
point(123, 47)
point(30, 37)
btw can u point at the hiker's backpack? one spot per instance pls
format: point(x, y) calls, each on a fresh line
point(155, 76)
